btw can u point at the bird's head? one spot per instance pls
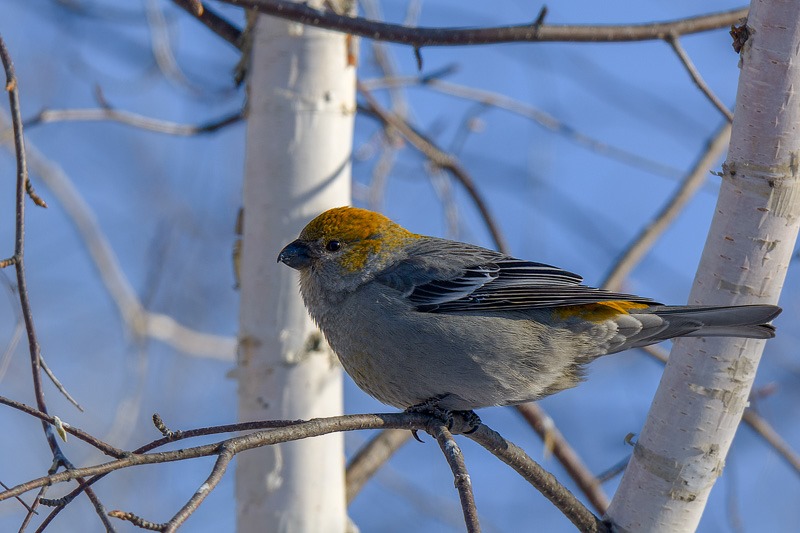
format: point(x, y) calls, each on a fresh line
point(347, 246)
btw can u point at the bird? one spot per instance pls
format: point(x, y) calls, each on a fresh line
point(423, 322)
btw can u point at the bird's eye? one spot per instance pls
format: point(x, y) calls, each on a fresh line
point(333, 246)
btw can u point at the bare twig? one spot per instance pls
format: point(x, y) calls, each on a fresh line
point(219, 25)
point(544, 481)
point(19, 327)
point(39, 498)
point(171, 436)
point(19, 247)
point(768, 433)
point(161, 46)
point(462, 481)
point(100, 509)
point(77, 433)
point(294, 430)
point(566, 455)
point(399, 106)
point(283, 431)
point(137, 521)
point(698, 80)
point(140, 321)
point(539, 117)
point(691, 184)
point(551, 123)
point(531, 32)
point(371, 457)
point(132, 119)
point(614, 470)
point(438, 157)
point(20, 500)
point(23, 186)
point(58, 384)
point(384, 60)
point(220, 466)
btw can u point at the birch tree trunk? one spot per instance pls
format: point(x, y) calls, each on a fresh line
point(301, 89)
point(705, 387)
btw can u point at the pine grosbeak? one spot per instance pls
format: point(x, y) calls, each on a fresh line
point(422, 321)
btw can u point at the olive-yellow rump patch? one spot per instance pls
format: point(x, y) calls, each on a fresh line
point(598, 312)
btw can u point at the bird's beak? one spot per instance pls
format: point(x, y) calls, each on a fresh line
point(296, 254)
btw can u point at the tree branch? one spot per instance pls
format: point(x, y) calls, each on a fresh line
point(455, 459)
point(140, 321)
point(216, 23)
point(132, 119)
point(698, 80)
point(532, 32)
point(636, 250)
point(286, 430)
point(371, 457)
point(438, 157)
point(544, 481)
point(77, 433)
point(566, 455)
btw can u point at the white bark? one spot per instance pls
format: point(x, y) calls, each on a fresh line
point(704, 390)
point(299, 140)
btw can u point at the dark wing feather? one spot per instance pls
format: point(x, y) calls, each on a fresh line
point(476, 279)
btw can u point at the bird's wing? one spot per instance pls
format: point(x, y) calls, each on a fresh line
point(491, 281)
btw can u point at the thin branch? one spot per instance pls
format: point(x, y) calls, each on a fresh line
point(698, 80)
point(132, 119)
point(461, 479)
point(615, 470)
point(58, 384)
point(216, 23)
point(544, 481)
point(635, 251)
point(39, 497)
point(19, 329)
point(294, 430)
point(291, 431)
point(77, 433)
point(19, 326)
point(566, 455)
point(100, 509)
point(220, 466)
point(161, 46)
point(20, 500)
point(539, 117)
point(438, 157)
point(23, 187)
point(137, 521)
point(768, 433)
point(392, 139)
point(19, 246)
point(140, 321)
point(371, 457)
point(551, 123)
point(531, 32)
point(169, 437)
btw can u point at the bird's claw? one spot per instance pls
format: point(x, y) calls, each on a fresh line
point(468, 421)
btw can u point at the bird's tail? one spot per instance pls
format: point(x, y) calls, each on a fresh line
point(747, 321)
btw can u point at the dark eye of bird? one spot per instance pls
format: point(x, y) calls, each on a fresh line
point(333, 246)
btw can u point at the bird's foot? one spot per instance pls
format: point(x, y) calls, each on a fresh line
point(470, 422)
point(458, 422)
